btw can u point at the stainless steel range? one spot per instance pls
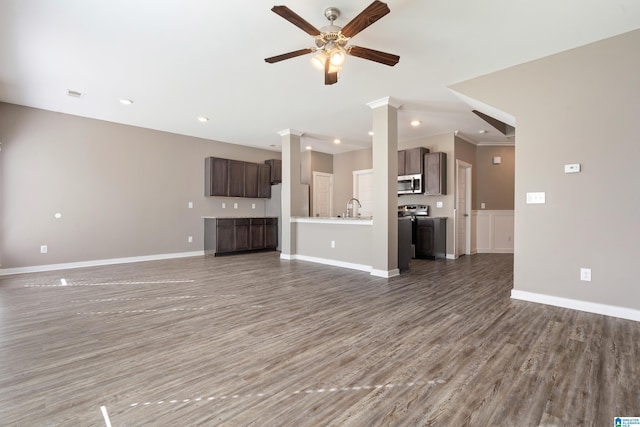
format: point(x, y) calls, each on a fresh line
point(413, 210)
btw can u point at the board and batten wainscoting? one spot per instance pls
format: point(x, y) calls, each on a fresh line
point(494, 230)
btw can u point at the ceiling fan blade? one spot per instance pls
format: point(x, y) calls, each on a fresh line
point(371, 14)
point(329, 78)
point(284, 56)
point(296, 20)
point(374, 55)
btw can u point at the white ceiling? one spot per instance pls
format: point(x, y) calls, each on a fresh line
point(180, 59)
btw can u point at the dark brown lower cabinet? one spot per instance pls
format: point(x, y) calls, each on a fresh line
point(242, 234)
point(225, 232)
point(271, 232)
point(257, 233)
point(431, 238)
point(229, 235)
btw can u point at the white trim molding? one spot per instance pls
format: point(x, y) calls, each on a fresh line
point(96, 263)
point(333, 262)
point(494, 231)
point(589, 307)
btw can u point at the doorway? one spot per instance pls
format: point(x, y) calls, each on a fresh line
point(322, 194)
point(363, 191)
point(462, 211)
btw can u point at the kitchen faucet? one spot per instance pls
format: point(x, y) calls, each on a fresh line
point(350, 204)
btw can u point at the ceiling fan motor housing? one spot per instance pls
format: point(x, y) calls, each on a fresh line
point(332, 13)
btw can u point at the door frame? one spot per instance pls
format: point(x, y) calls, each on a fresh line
point(315, 175)
point(461, 164)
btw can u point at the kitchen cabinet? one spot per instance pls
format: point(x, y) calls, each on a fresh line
point(435, 175)
point(264, 181)
point(230, 235)
point(430, 237)
point(411, 161)
point(216, 179)
point(235, 178)
point(257, 233)
point(276, 170)
point(250, 180)
point(271, 232)
point(225, 235)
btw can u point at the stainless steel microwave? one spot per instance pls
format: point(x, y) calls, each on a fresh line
point(410, 184)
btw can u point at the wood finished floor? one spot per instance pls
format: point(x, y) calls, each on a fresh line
point(251, 340)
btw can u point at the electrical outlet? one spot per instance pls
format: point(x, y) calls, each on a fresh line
point(253, 205)
point(482, 205)
point(190, 239)
point(224, 205)
point(43, 249)
point(333, 243)
point(190, 205)
point(585, 274)
point(235, 206)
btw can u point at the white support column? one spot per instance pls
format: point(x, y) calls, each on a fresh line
point(384, 260)
point(290, 190)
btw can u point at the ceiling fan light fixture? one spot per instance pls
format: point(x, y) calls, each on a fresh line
point(318, 60)
point(337, 56)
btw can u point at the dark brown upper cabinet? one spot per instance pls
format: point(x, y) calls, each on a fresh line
point(264, 181)
point(276, 170)
point(250, 180)
point(216, 179)
point(411, 161)
point(435, 175)
point(235, 178)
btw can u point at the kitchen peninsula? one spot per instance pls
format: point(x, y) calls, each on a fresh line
point(343, 242)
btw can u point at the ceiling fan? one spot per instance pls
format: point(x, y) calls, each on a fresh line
point(332, 42)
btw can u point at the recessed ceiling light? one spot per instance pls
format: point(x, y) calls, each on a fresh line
point(415, 123)
point(370, 133)
point(74, 93)
point(482, 131)
point(308, 147)
point(126, 101)
point(203, 119)
point(336, 141)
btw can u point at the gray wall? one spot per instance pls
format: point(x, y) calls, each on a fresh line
point(494, 184)
point(122, 191)
point(579, 106)
point(343, 167)
point(313, 161)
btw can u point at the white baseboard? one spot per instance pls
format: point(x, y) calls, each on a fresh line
point(333, 262)
point(95, 263)
point(589, 307)
point(495, 251)
point(384, 273)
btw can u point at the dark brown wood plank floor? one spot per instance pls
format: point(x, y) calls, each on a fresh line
point(250, 340)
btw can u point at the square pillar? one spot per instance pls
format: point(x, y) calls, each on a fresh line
point(384, 260)
point(290, 190)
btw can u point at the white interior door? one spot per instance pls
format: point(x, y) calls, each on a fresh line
point(462, 224)
point(322, 194)
point(363, 191)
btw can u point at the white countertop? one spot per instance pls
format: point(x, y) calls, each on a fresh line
point(333, 220)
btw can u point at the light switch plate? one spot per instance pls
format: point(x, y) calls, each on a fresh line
point(439, 204)
point(572, 168)
point(533, 198)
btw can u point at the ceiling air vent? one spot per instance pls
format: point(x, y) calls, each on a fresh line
point(74, 93)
